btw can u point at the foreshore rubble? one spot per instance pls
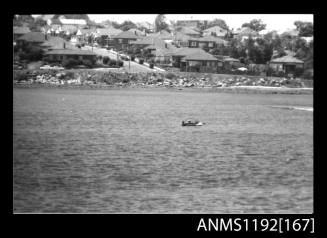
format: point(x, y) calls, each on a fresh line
point(168, 80)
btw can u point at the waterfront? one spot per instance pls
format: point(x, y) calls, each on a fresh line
point(124, 151)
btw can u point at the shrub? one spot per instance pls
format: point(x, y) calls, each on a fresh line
point(308, 74)
point(132, 57)
point(120, 63)
point(20, 75)
point(151, 65)
point(88, 63)
point(141, 61)
point(105, 59)
point(70, 63)
point(298, 72)
point(170, 75)
point(112, 62)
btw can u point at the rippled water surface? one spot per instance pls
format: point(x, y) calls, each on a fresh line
point(125, 151)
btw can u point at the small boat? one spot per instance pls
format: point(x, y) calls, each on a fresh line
point(192, 123)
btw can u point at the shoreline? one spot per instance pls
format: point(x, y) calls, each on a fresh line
point(230, 89)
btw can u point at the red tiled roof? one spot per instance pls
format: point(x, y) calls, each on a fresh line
point(210, 39)
point(150, 40)
point(54, 42)
point(200, 56)
point(110, 31)
point(188, 31)
point(126, 35)
point(70, 52)
point(286, 59)
point(184, 51)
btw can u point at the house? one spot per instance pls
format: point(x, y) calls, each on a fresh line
point(55, 43)
point(19, 31)
point(181, 40)
point(215, 31)
point(59, 55)
point(178, 53)
point(191, 23)
point(32, 38)
point(123, 40)
point(104, 36)
point(229, 63)
point(209, 42)
point(156, 46)
point(286, 64)
point(145, 25)
point(199, 62)
point(137, 32)
point(164, 35)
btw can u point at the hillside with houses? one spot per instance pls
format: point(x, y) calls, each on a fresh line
point(196, 46)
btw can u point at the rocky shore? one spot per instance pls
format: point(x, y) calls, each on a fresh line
point(94, 79)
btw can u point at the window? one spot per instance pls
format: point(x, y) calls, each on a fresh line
point(193, 43)
point(210, 44)
point(120, 40)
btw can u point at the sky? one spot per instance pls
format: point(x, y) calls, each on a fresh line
point(279, 22)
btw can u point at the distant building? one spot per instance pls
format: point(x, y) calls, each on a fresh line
point(200, 62)
point(286, 64)
point(123, 40)
point(19, 31)
point(32, 38)
point(209, 42)
point(215, 31)
point(191, 23)
point(189, 31)
point(59, 55)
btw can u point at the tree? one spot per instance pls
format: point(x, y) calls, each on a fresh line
point(256, 25)
point(160, 23)
point(21, 20)
point(305, 28)
point(72, 16)
point(126, 25)
point(217, 22)
point(37, 24)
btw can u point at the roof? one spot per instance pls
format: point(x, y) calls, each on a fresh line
point(69, 28)
point(33, 37)
point(70, 52)
point(54, 42)
point(184, 51)
point(188, 31)
point(181, 37)
point(21, 30)
point(145, 24)
point(210, 39)
point(73, 21)
point(86, 31)
point(230, 59)
point(200, 56)
point(165, 35)
point(286, 59)
point(150, 40)
point(217, 29)
point(138, 32)
point(55, 21)
point(109, 31)
point(126, 35)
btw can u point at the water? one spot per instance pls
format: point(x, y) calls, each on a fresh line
point(125, 151)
